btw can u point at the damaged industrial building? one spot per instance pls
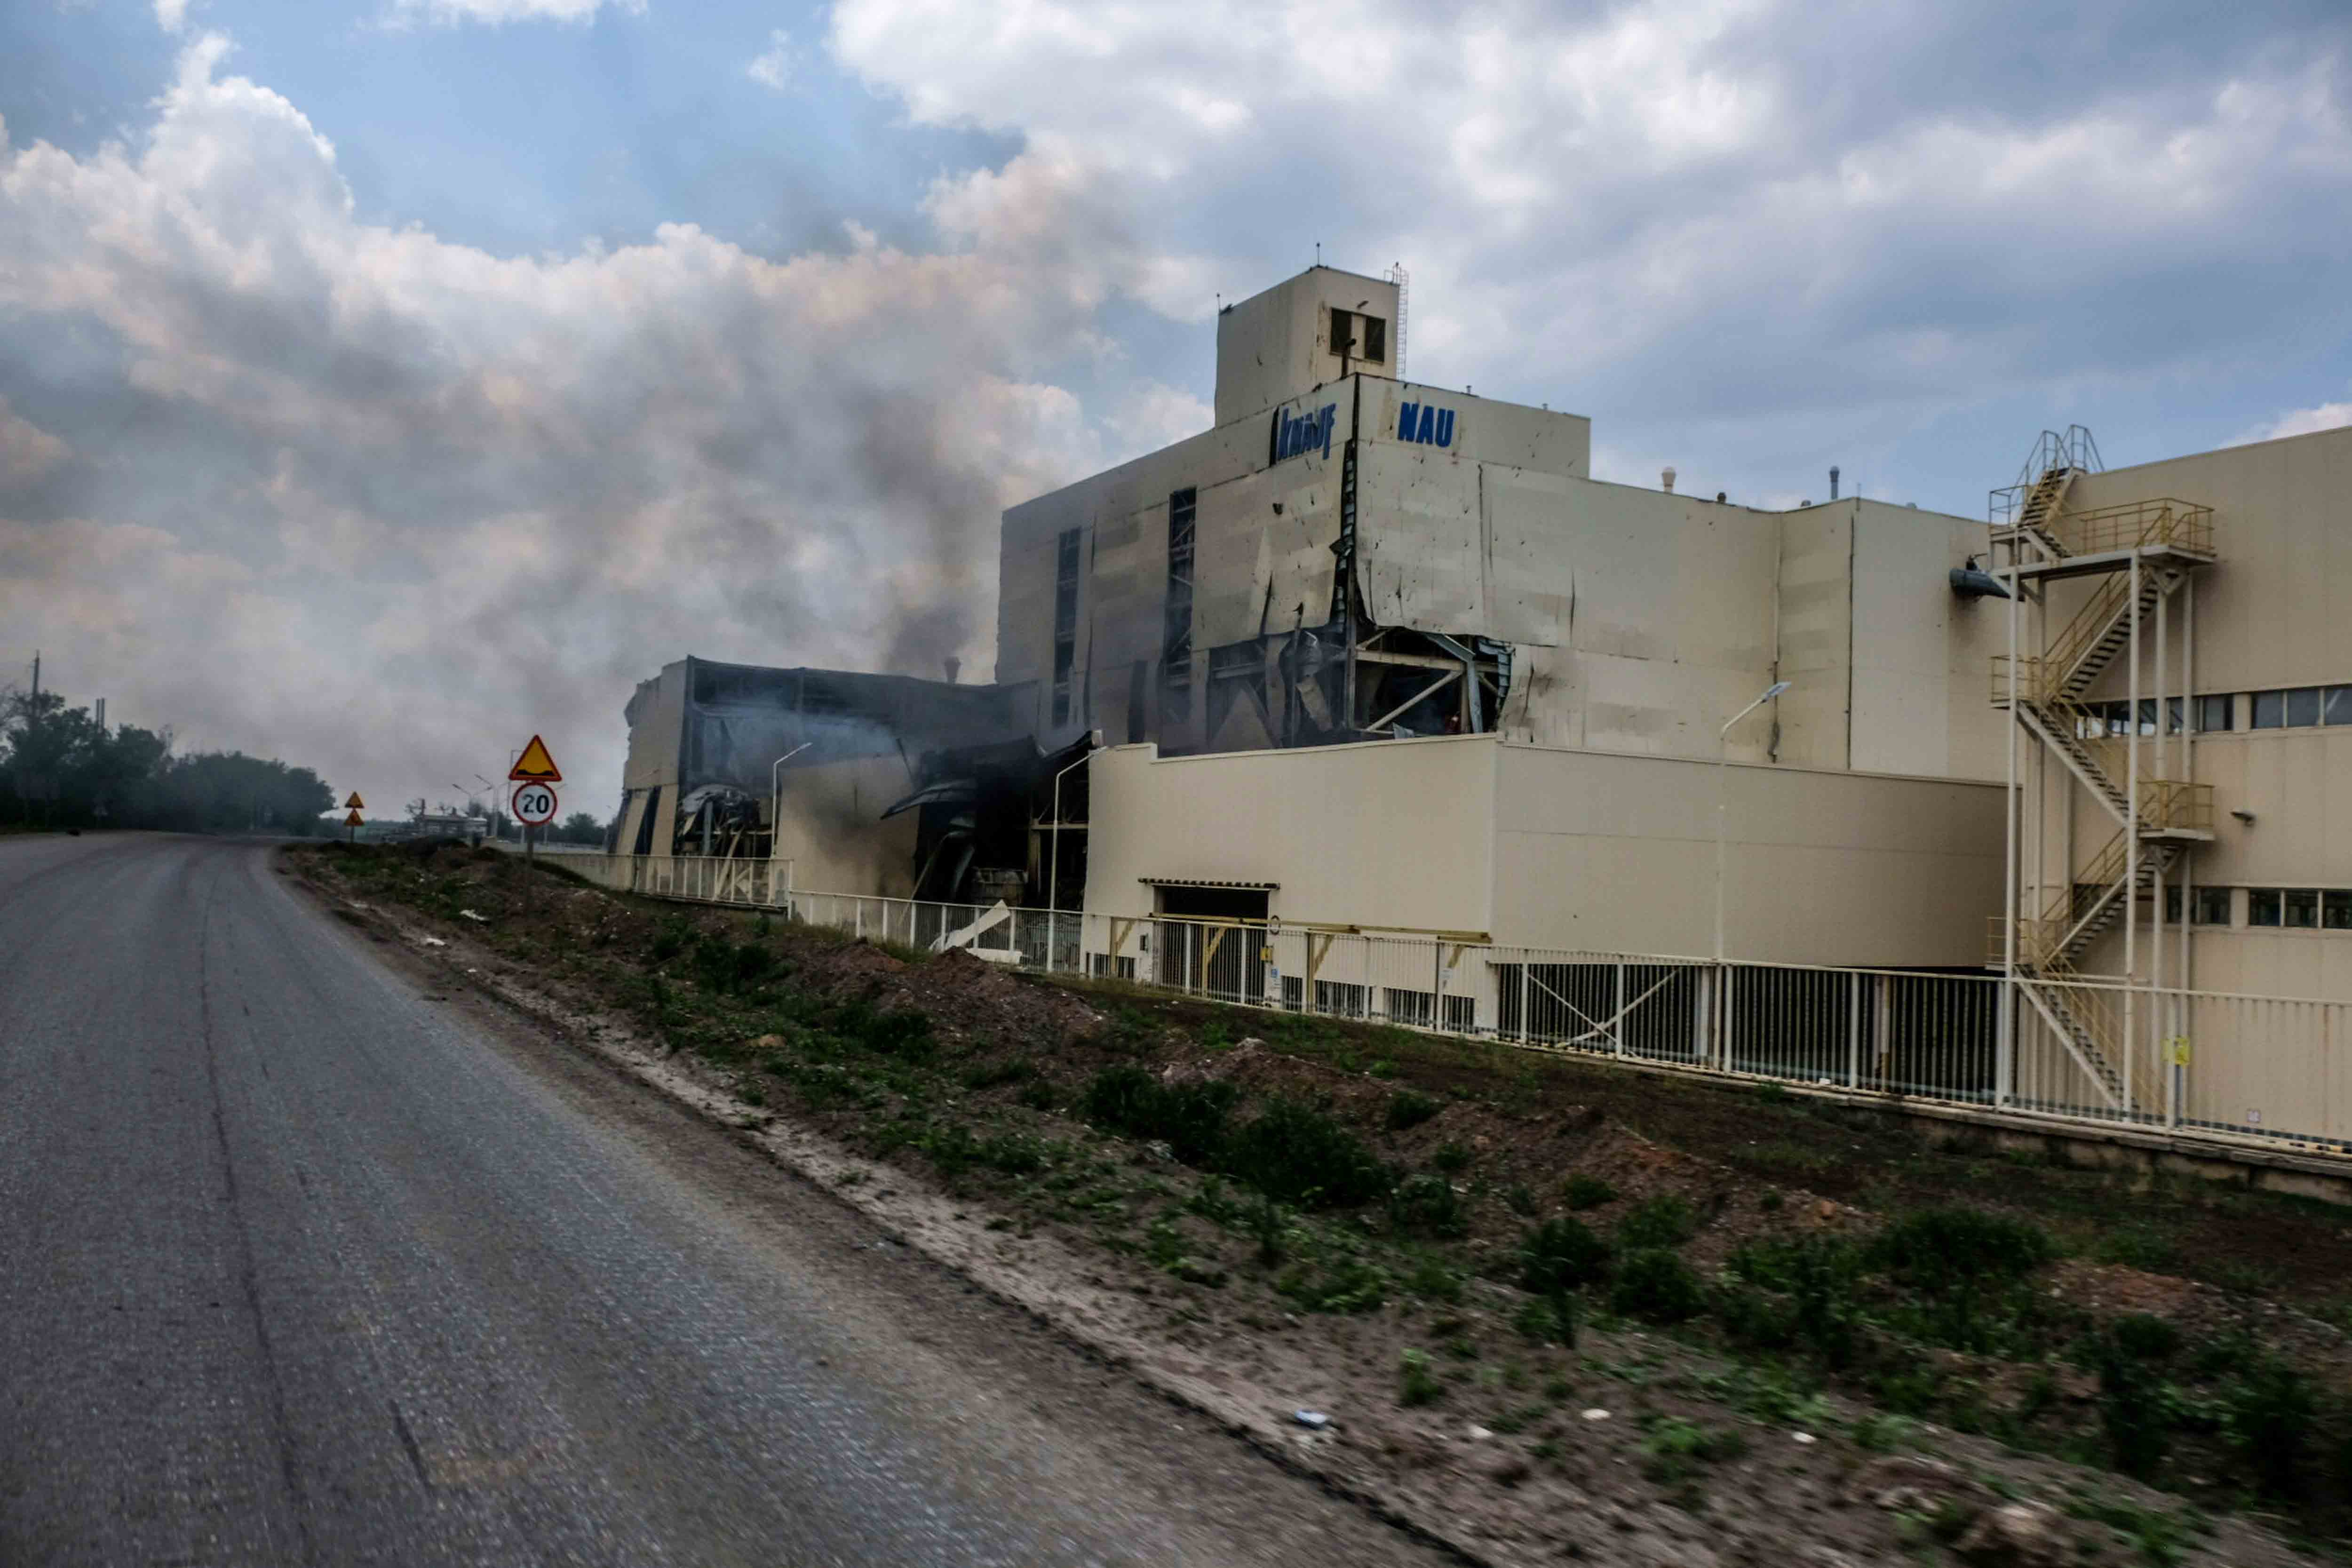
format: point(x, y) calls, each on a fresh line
point(1377, 659)
point(908, 788)
point(1383, 655)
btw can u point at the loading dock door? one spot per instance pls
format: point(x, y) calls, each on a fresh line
point(1210, 941)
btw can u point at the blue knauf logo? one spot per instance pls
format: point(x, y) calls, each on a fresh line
point(1308, 434)
point(1425, 422)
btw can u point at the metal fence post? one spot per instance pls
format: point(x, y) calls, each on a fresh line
point(1855, 982)
point(1730, 1025)
point(2172, 1068)
point(2004, 1067)
point(1882, 988)
point(1703, 1018)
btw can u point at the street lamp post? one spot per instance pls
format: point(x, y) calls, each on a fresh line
point(1722, 771)
point(1053, 874)
point(776, 821)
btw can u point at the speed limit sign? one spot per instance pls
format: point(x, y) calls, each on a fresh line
point(534, 804)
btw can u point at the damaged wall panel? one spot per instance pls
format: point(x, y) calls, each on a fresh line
point(1531, 570)
point(1421, 547)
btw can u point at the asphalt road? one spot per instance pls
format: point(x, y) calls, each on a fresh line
point(302, 1261)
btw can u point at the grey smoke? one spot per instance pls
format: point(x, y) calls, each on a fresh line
point(386, 505)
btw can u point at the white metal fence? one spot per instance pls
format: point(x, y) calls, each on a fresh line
point(2199, 1063)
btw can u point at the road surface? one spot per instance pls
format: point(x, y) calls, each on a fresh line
point(304, 1262)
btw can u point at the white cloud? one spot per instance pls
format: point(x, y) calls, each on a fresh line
point(2299, 422)
point(1596, 201)
point(770, 69)
point(26, 452)
point(496, 12)
point(171, 15)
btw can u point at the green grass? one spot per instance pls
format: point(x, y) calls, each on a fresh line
point(1293, 1201)
point(1582, 1191)
point(1561, 1255)
point(1667, 1220)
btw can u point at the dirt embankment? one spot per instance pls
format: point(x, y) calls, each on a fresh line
point(1266, 1214)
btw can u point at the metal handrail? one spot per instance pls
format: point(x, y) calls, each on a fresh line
point(2159, 519)
point(2097, 617)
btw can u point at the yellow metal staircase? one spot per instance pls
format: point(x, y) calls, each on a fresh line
point(2142, 552)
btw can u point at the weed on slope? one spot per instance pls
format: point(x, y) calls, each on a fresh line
point(1486, 1233)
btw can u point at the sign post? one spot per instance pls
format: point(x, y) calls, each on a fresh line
point(352, 822)
point(535, 777)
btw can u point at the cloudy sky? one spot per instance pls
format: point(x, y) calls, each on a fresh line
point(380, 383)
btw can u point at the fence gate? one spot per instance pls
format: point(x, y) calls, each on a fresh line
point(1211, 941)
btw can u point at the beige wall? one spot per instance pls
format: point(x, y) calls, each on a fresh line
point(1544, 847)
point(1394, 833)
point(1617, 853)
point(1510, 435)
point(1276, 344)
point(1921, 653)
point(1639, 620)
point(655, 738)
point(2273, 610)
point(1262, 553)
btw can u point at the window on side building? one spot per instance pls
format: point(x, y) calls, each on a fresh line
point(2213, 906)
point(2269, 709)
point(2303, 909)
point(2214, 716)
point(2172, 906)
point(1067, 558)
point(2335, 908)
point(1376, 341)
point(2302, 707)
point(2336, 707)
point(2261, 906)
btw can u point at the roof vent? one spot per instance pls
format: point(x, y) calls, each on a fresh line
point(1666, 478)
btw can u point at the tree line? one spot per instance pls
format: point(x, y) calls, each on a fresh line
point(61, 768)
point(579, 828)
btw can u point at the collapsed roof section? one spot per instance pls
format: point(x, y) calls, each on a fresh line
point(740, 720)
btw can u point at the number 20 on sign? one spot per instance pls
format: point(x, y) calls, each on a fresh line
point(534, 804)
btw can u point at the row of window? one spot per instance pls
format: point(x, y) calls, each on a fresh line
point(2289, 708)
point(2291, 909)
point(1066, 555)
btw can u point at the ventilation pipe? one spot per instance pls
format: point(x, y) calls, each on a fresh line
point(1666, 478)
point(1973, 582)
point(952, 666)
point(1833, 481)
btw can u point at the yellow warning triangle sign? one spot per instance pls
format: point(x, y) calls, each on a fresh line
point(354, 819)
point(535, 765)
point(354, 803)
